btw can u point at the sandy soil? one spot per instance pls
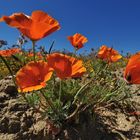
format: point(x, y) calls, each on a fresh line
point(18, 121)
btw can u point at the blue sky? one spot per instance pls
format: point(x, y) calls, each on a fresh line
point(111, 22)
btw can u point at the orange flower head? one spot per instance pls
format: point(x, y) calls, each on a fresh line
point(33, 76)
point(77, 40)
point(108, 54)
point(35, 27)
point(30, 54)
point(9, 52)
point(38, 54)
point(66, 66)
point(132, 70)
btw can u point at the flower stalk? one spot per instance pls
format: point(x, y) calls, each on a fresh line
point(9, 69)
point(33, 47)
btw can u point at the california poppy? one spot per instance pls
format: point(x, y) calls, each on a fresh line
point(38, 54)
point(132, 70)
point(33, 76)
point(66, 66)
point(108, 54)
point(9, 52)
point(77, 40)
point(35, 27)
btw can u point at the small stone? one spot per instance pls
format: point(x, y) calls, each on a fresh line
point(11, 91)
point(25, 134)
point(19, 113)
point(5, 82)
point(15, 106)
point(3, 97)
point(24, 127)
point(14, 126)
point(8, 137)
point(4, 124)
point(14, 117)
point(2, 105)
point(39, 127)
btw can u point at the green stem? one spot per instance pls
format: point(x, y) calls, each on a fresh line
point(8, 67)
point(50, 49)
point(79, 91)
point(33, 47)
point(60, 91)
point(75, 51)
point(23, 95)
point(49, 103)
point(105, 68)
point(74, 113)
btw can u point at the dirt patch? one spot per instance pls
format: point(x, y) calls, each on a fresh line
point(18, 121)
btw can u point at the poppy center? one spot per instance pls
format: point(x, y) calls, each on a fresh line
point(128, 77)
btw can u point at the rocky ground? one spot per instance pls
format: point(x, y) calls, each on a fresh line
point(18, 121)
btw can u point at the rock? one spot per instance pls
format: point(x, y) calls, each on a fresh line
point(4, 124)
point(24, 127)
point(39, 127)
point(2, 105)
point(3, 97)
point(14, 105)
point(26, 135)
point(14, 117)
point(29, 120)
point(11, 91)
point(7, 136)
point(6, 82)
point(14, 126)
point(123, 124)
point(19, 113)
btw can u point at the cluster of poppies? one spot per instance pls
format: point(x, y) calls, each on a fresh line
point(9, 52)
point(35, 74)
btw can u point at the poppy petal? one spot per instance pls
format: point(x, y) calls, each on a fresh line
point(108, 54)
point(17, 20)
point(132, 70)
point(35, 27)
point(66, 66)
point(33, 76)
point(9, 52)
point(77, 40)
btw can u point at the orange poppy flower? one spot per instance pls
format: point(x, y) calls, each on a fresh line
point(66, 66)
point(33, 76)
point(108, 54)
point(36, 27)
point(30, 54)
point(38, 54)
point(77, 40)
point(132, 70)
point(9, 52)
